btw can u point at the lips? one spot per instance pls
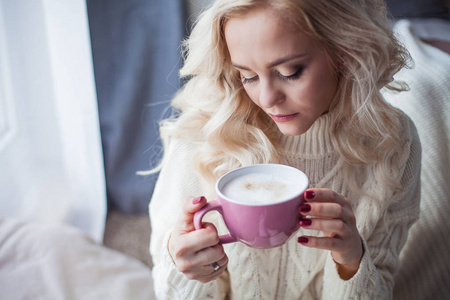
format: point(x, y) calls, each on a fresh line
point(282, 117)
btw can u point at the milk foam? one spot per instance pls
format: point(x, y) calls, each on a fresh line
point(259, 188)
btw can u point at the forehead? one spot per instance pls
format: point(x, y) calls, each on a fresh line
point(263, 34)
point(259, 19)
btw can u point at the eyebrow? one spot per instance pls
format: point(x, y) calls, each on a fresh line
point(272, 64)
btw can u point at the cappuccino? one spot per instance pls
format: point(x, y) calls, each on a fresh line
point(260, 188)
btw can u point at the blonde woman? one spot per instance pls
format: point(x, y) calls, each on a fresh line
point(297, 83)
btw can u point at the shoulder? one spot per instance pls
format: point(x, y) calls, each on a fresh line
point(181, 148)
point(179, 156)
point(409, 157)
point(409, 137)
point(408, 130)
point(177, 178)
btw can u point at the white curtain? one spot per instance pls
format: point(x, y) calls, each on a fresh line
point(51, 165)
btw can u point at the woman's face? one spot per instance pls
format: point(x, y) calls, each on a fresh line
point(282, 70)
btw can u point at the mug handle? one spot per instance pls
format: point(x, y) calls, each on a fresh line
point(198, 216)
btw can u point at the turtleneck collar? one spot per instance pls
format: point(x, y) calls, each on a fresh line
point(316, 142)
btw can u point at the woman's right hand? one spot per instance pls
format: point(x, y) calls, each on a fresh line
point(193, 251)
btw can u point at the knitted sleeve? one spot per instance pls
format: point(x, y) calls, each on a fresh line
point(176, 181)
point(380, 262)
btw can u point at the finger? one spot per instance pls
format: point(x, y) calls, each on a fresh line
point(199, 264)
point(219, 264)
point(223, 262)
point(201, 255)
point(190, 206)
point(215, 254)
point(325, 195)
point(196, 240)
point(326, 243)
point(207, 272)
point(327, 211)
point(331, 227)
point(212, 275)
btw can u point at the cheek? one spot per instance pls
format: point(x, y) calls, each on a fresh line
point(324, 89)
point(329, 83)
point(252, 94)
point(330, 91)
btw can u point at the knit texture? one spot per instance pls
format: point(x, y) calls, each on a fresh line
point(293, 271)
point(425, 268)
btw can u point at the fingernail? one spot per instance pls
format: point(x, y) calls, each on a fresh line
point(197, 200)
point(306, 222)
point(305, 208)
point(302, 240)
point(309, 195)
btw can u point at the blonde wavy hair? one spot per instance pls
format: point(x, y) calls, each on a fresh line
point(216, 111)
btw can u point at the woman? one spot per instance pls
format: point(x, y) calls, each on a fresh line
point(298, 83)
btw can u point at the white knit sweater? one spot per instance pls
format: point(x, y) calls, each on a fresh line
point(425, 267)
point(293, 271)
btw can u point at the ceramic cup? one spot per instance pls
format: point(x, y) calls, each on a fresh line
point(256, 210)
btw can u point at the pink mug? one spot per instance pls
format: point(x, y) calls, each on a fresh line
point(265, 224)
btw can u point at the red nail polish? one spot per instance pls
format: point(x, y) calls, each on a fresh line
point(305, 208)
point(303, 240)
point(197, 200)
point(309, 195)
point(305, 222)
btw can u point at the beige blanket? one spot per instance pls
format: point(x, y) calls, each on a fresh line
point(41, 261)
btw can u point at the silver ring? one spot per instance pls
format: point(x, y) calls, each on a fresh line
point(215, 265)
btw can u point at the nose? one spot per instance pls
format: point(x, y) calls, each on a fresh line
point(269, 94)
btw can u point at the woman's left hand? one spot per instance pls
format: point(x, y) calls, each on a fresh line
point(331, 213)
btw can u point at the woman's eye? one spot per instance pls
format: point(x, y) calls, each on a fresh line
point(246, 80)
point(294, 75)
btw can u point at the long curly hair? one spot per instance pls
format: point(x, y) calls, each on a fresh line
point(215, 110)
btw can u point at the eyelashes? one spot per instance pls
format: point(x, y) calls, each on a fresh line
point(293, 76)
point(249, 80)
